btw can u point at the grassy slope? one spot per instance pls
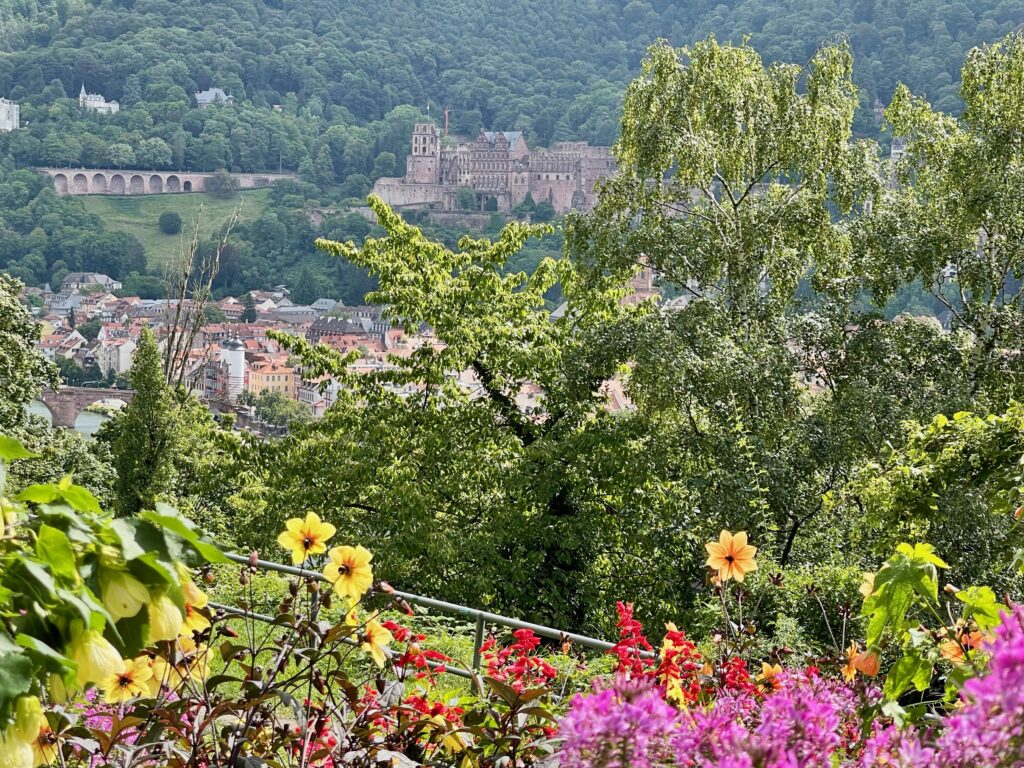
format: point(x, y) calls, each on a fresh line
point(138, 216)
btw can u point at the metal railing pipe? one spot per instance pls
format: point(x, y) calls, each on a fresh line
point(442, 605)
point(389, 653)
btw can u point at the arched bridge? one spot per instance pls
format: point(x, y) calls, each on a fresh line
point(102, 181)
point(66, 403)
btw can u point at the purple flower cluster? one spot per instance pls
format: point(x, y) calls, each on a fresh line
point(626, 726)
point(807, 722)
point(989, 729)
point(803, 723)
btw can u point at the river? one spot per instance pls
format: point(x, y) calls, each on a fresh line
point(86, 424)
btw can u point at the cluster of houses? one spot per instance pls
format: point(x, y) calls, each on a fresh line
point(89, 324)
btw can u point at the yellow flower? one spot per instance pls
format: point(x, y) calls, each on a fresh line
point(190, 662)
point(46, 748)
point(305, 537)
point(349, 571)
point(28, 718)
point(731, 556)
point(129, 682)
point(165, 619)
point(351, 617)
point(195, 599)
point(14, 753)
point(451, 742)
point(375, 640)
point(123, 594)
point(867, 585)
point(95, 656)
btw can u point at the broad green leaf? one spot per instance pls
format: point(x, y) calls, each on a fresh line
point(170, 519)
point(52, 660)
point(906, 578)
point(81, 499)
point(910, 671)
point(40, 494)
point(54, 549)
point(12, 450)
point(981, 605)
point(15, 679)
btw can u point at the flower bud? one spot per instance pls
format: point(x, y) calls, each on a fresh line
point(165, 619)
point(123, 595)
point(28, 718)
point(95, 656)
point(58, 691)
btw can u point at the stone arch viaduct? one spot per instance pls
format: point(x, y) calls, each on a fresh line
point(104, 181)
point(66, 403)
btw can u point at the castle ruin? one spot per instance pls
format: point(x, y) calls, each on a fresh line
point(498, 168)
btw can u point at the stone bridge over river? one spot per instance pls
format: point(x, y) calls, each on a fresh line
point(66, 403)
point(101, 181)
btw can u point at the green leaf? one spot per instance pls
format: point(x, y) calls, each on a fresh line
point(12, 450)
point(980, 604)
point(81, 499)
point(170, 519)
point(908, 576)
point(139, 538)
point(911, 670)
point(50, 659)
point(15, 679)
point(54, 549)
point(40, 494)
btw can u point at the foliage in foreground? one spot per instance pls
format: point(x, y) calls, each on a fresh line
point(112, 653)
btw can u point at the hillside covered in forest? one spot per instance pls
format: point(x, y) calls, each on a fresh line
point(555, 69)
point(331, 89)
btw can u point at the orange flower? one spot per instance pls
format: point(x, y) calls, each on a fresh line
point(769, 676)
point(850, 669)
point(953, 651)
point(867, 663)
point(731, 556)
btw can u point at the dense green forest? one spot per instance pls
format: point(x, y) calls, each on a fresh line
point(330, 90)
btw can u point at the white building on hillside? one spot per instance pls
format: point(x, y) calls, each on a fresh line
point(10, 116)
point(96, 103)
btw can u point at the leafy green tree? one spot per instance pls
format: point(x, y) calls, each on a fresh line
point(90, 329)
point(307, 289)
point(954, 219)
point(221, 184)
point(544, 211)
point(153, 153)
point(738, 183)
point(525, 465)
point(144, 437)
point(71, 373)
point(249, 309)
point(277, 408)
point(170, 222)
point(121, 155)
point(465, 198)
point(23, 370)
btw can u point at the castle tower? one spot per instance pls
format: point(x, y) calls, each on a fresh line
point(81, 96)
point(423, 166)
